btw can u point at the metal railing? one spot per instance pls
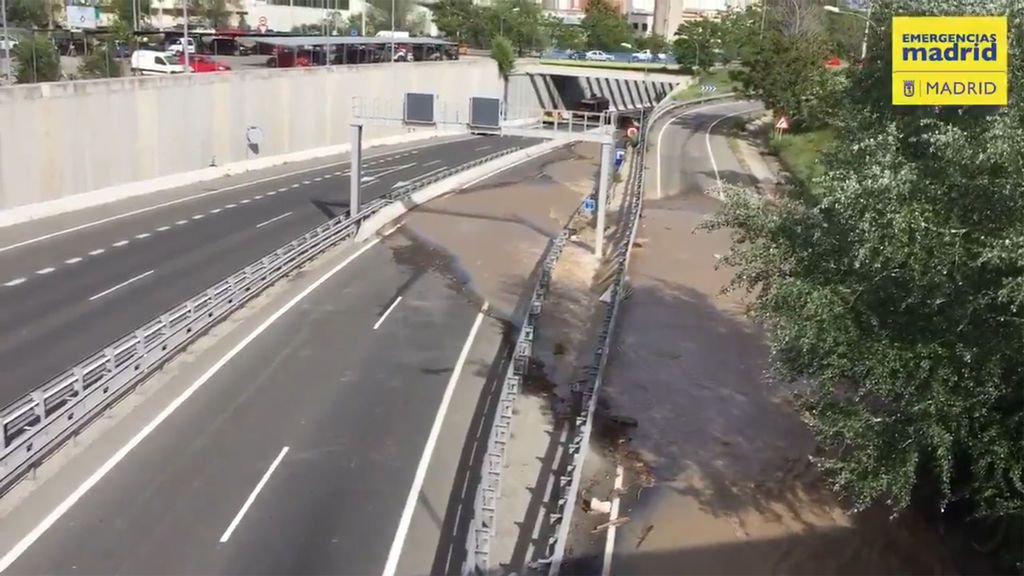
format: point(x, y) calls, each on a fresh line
point(485, 502)
point(588, 389)
point(38, 423)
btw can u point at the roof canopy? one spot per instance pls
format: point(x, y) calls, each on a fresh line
point(298, 41)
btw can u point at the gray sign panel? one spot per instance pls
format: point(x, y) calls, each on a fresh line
point(484, 112)
point(419, 108)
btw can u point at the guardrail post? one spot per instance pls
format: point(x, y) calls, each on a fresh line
point(602, 197)
point(356, 172)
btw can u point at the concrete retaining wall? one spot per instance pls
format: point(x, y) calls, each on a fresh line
point(547, 91)
point(62, 139)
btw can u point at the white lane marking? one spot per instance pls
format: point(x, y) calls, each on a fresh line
point(257, 197)
point(252, 496)
point(215, 210)
point(338, 172)
point(282, 189)
point(246, 201)
point(431, 163)
point(121, 285)
point(193, 197)
point(274, 219)
point(386, 312)
point(143, 235)
point(18, 549)
point(198, 216)
point(97, 252)
point(326, 176)
point(272, 192)
point(120, 243)
point(230, 205)
point(304, 182)
point(661, 136)
point(163, 228)
point(74, 260)
point(181, 222)
point(389, 169)
point(317, 179)
point(609, 540)
point(44, 271)
point(707, 140)
point(294, 185)
point(482, 148)
point(421, 471)
point(14, 282)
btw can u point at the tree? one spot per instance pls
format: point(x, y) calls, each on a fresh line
point(697, 43)
point(740, 34)
point(504, 55)
point(125, 11)
point(37, 60)
point(380, 14)
point(656, 43)
point(896, 290)
point(519, 21)
point(27, 13)
point(786, 72)
point(216, 13)
point(460, 20)
point(604, 27)
point(102, 62)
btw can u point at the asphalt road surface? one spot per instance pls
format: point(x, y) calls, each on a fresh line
point(297, 455)
point(65, 297)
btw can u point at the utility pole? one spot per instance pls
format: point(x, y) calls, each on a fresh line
point(7, 42)
point(392, 30)
point(184, 41)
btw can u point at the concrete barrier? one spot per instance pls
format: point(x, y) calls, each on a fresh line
point(59, 140)
point(457, 182)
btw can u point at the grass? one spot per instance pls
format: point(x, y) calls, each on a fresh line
point(612, 65)
point(717, 78)
point(800, 153)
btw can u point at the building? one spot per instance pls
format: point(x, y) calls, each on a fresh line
point(669, 14)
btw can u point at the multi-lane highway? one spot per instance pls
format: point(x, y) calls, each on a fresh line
point(64, 296)
point(302, 448)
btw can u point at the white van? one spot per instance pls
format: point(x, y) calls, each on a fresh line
point(179, 45)
point(151, 63)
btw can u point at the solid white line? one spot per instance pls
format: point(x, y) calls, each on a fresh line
point(431, 163)
point(121, 285)
point(97, 252)
point(252, 497)
point(74, 260)
point(14, 282)
point(163, 228)
point(609, 541)
point(187, 198)
point(120, 243)
point(45, 270)
point(707, 140)
point(143, 235)
point(386, 312)
point(428, 451)
point(14, 553)
point(661, 136)
point(274, 219)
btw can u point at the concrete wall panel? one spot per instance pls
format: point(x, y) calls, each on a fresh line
point(62, 139)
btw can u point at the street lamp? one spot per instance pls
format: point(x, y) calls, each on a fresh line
point(867, 25)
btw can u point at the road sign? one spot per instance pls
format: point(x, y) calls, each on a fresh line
point(354, 32)
point(620, 157)
point(782, 123)
point(708, 88)
point(589, 205)
point(631, 132)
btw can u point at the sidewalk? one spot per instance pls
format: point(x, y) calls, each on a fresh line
point(717, 476)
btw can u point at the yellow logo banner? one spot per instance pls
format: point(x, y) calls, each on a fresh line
point(949, 61)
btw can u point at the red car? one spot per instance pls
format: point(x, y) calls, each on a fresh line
point(204, 64)
point(288, 58)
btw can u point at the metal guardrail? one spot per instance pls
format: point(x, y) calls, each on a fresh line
point(35, 425)
point(485, 503)
point(589, 388)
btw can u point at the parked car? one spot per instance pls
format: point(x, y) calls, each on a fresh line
point(203, 64)
point(287, 58)
point(153, 63)
point(599, 56)
point(577, 55)
point(178, 45)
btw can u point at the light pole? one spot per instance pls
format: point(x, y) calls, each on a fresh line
point(7, 42)
point(867, 25)
point(392, 30)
